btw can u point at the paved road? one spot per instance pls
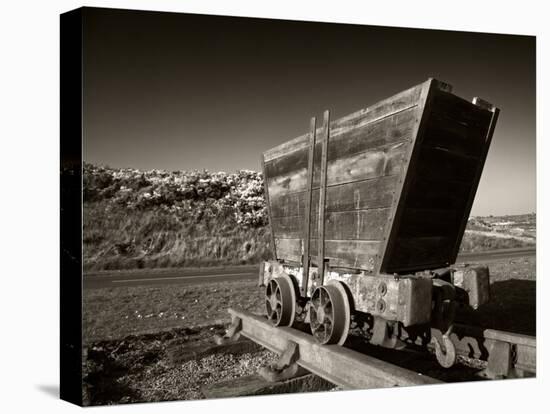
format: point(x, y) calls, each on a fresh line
point(495, 255)
point(168, 276)
point(187, 276)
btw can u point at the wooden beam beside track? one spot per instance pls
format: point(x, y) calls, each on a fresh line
point(508, 354)
point(341, 366)
point(256, 385)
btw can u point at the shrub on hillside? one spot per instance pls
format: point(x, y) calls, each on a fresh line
point(199, 193)
point(154, 218)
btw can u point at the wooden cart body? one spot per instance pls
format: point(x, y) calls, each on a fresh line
point(401, 176)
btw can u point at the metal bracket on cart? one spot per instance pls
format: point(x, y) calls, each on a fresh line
point(382, 335)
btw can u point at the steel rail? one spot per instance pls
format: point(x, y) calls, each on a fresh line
point(341, 366)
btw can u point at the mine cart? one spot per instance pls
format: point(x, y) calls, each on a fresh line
point(367, 214)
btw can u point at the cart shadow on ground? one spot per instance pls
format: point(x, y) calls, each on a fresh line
point(512, 308)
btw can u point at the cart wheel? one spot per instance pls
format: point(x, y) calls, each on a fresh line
point(330, 314)
point(280, 301)
point(445, 350)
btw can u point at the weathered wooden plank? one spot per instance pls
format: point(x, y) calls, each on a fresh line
point(384, 134)
point(393, 129)
point(470, 199)
point(343, 225)
point(382, 109)
point(408, 161)
point(354, 254)
point(413, 253)
point(445, 132)
point(256, 385)
point(388, 107)
point(340, 365)
point(359, 195)
point(291, 249)
point(390, 130)
point(445, 165)
point(322, 196)
point(307, 212)
point(461, 110)
point(430, 192)
point(425, 222)
point(438, 183)
point(377, 163)
point(268, 204)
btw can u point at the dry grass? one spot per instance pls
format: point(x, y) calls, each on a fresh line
point(123, 239)
point(473, 242)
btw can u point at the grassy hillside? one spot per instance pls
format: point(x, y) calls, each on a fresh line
point(145, 219)
point(140, 219)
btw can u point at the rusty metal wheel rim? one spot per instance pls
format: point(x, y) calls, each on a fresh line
point(280, 301)
point(330, 314)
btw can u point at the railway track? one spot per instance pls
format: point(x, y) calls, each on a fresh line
point(305, 365)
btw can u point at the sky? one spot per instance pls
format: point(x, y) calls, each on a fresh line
point(181, 92)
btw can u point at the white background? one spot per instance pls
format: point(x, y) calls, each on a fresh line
point(29, 191)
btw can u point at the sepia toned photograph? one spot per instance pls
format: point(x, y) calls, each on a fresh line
point(261, 206)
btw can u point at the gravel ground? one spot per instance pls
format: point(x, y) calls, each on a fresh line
point(185, 381)
point(138, 368)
